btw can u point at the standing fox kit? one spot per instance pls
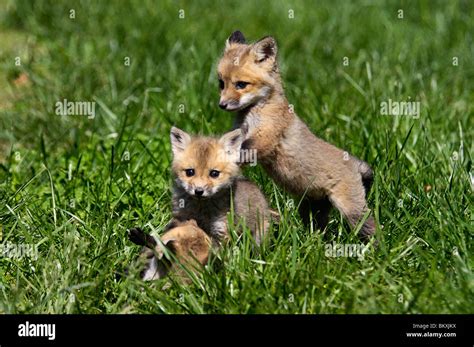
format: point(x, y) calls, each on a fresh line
point(303, 164)
point(208, 185)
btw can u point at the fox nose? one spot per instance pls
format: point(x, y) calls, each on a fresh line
point(198, 191)
point(223, 105)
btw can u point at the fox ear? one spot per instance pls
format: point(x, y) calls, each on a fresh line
point(179, 140)
point(168, 241)
point(265, 49)
point(232, 141)
point(235, 37)
point(165, 245)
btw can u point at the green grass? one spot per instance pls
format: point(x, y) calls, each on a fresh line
point(65, 187)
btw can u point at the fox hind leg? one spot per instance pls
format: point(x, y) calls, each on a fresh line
point(315, 211)
point(352, 204)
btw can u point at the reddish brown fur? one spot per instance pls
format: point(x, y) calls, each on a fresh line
point(199, 154)
point(188, 244)
point(227, 193)
point(291, 154)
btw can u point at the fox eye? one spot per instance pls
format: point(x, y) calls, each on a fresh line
point(189, 172)
point(241, 85)
point(221, 84)
point(214, 173)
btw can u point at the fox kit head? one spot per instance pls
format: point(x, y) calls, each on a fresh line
point(204, 166)
point(185, 240)
point(248, 73)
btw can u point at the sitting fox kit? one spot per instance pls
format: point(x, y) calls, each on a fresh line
point(250, 85)
point(208, 185)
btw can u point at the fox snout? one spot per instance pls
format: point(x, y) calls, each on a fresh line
point(228, 103)
point(198, 191)
point(222, 104)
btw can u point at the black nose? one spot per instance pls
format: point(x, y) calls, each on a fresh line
point(198, 191)
point(223, 106)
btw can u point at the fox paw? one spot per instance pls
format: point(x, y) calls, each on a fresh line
point(139, 237)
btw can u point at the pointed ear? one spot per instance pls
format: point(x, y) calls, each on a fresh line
point(235, 37)
point(179, 140)
point(165, 244)
point(168, 241)
point(170, 245)
point(265, 49)
point(232, 141)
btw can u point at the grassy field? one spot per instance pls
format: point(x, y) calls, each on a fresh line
point(71, 186)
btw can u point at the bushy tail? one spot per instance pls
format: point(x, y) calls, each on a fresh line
point(367, 175)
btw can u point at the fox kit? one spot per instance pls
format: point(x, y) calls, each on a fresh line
point(208, 185)
point(251, 86)
point(186, 241)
